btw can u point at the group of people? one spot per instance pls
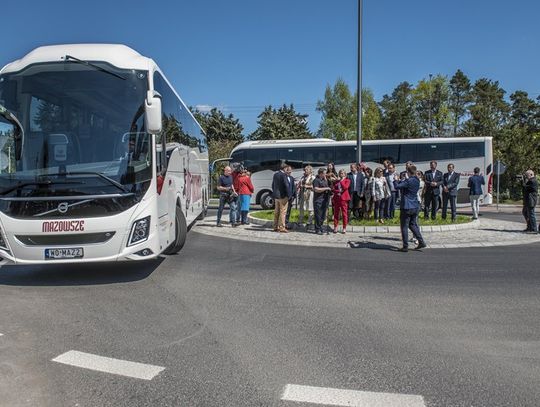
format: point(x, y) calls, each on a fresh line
point(349, 193)
point(235, 189)
point(362, 193)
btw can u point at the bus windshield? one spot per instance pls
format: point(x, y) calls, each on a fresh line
point(84, 131)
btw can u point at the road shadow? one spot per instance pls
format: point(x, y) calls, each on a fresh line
point(392, 239)
point(504, 230)
point(78, 274)
point(370, 245)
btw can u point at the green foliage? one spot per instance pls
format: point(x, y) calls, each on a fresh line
point(488, 110)
point(219, 127)
point(269, 215)
point(399, 114)
point(282, 123)
point(459, 98)
point(339, 113)
point(431, 103)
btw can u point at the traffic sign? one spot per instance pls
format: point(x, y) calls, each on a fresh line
point(499, 168)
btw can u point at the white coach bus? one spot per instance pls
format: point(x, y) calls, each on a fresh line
point(262, 158)
point(100, 160)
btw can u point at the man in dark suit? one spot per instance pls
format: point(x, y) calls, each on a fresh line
point(530, 198)
point(432, 191)
point(280, 193)
point(450, 190)
point(409, 208)
point(356, 189)
point(291, 194)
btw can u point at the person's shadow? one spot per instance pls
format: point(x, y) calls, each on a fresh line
point(77, 274)
point(370, 245)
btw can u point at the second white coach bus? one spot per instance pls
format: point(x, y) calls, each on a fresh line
point(262, 158)
point(100, 159)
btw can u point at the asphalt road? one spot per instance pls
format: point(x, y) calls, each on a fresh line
point(232, 323)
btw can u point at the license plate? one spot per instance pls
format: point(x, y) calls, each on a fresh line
point(67, 253)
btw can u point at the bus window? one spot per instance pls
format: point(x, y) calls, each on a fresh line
point(435, 151)
point(237, 156)
point(469, 150)
point(370, 153)
point(319, 155)
point(261, 159)
point(407, 152)
point(293, 156)
point(345, 155)
point(389, 152)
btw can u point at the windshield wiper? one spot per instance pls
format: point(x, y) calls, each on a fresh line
point(98, 174)
point(41, 183)
point(99, 68)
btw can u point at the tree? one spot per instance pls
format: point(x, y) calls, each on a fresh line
point(459, 98)
point(223, 133)
point(219, 127)
point(339, 113)
point(282, 123)
point(431, 106)
point(338, 110)
point(488, 110)
point(524, 112)
point(371, 116)
point(398, 114)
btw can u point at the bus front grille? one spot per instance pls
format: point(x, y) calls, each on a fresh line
point(63, 240)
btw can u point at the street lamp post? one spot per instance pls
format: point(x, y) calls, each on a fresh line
point(429, 108)
point(359, 85)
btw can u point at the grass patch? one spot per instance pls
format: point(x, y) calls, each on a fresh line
point(269, 215)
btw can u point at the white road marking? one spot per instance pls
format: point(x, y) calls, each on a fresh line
point(350, 398)
point(109, 365)
point(1, 334)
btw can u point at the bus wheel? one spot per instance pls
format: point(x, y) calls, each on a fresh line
point(180, 232)
point(267, 202)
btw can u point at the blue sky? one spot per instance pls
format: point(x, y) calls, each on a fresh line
point(241, 55)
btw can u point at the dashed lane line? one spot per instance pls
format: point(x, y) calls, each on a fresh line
point(109, 365)
point(352, 398)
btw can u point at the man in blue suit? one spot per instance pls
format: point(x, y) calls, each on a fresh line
point(450, 190)
point(409, 208)
point(432, 191)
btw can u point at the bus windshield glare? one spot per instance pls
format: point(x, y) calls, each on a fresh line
point(84, 131)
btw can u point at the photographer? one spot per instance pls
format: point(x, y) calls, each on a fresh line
point(227, 195)
point(530, 198)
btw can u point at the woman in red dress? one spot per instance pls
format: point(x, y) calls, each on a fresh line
point(340, 200)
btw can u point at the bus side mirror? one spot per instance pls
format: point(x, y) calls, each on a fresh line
point(152, 110)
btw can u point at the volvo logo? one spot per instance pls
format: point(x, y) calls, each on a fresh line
point(63, 207)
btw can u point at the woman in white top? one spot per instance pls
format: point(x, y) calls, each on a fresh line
point(368, 187)
point(380, 192)
point(305, 200)
point(420, 176)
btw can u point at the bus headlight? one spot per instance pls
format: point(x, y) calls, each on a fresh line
point(139, 231)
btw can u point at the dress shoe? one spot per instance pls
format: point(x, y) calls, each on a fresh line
point(421, 245)
point(403, 249)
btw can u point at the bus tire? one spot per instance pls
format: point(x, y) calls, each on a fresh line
point(180, 232)
point(267, 202)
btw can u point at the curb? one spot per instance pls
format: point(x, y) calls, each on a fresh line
point(475, 224)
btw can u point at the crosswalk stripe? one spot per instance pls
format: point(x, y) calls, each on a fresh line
point(109, 365)
point(351, 398)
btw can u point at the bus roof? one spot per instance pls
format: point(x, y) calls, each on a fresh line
point(324, 141)
point(118, 55)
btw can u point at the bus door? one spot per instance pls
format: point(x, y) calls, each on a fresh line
point(166, 198)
